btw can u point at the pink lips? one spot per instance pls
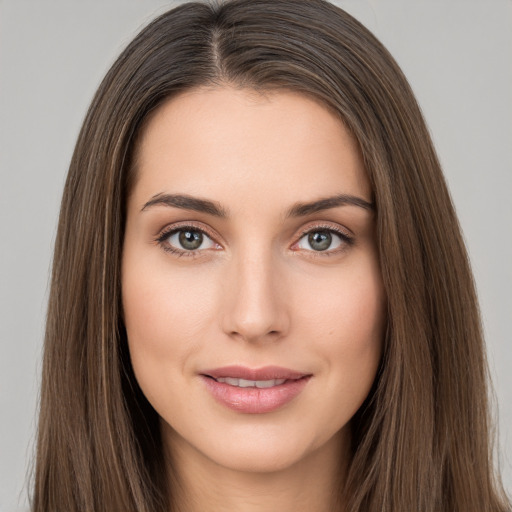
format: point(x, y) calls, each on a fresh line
point(254, 400)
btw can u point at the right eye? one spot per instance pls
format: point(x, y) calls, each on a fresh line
point(185, 240)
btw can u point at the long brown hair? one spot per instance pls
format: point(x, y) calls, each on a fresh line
point(421, 440)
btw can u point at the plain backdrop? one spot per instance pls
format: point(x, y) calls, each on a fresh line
point(53, 53)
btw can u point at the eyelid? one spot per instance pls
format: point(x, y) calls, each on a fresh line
point(170, 229)
point(347, 237)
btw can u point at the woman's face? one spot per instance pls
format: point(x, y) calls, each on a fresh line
point(250, 244)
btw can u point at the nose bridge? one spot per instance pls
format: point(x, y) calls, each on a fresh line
point(253, 305)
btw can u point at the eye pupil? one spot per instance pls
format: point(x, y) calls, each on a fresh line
point(191, 240)
point(320, 240)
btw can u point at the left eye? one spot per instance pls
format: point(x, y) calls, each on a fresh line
point(189, 240)
point(320, 240)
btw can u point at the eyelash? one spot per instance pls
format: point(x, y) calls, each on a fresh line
point(346, 239)
point(168, 232)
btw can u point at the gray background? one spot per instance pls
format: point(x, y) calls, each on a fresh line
point(53, 53)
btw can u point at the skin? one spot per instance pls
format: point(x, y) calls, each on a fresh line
point(257, 294)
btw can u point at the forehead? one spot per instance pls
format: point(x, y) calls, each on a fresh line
point(282, 146)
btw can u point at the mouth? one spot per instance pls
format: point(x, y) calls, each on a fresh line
point(260, 384)
point(245, 383)
point(245, 376)
point(252, 391)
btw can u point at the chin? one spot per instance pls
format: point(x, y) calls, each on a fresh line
point(256, 448)
point(258, 459)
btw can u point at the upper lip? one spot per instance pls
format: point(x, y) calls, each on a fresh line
point(265, 373)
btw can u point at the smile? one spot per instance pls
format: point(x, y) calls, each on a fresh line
point(243, 383)
point(254, 391)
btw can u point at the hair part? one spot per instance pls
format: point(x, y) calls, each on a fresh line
point(421, 439)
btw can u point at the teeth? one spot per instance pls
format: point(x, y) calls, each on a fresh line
point(242, 383)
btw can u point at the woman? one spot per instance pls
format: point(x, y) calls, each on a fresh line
point(260, 296)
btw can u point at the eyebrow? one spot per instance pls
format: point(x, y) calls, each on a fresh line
point(186, 202)
point(303, 209)
point(214, 208)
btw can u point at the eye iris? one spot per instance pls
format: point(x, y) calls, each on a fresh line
point(191, 240)
point(320, 240)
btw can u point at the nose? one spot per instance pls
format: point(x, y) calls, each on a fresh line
point(254, 307)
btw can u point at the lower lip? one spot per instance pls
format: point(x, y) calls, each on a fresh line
point(255, 400)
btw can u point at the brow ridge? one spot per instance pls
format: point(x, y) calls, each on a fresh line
point(187, 202)
point(303, 209)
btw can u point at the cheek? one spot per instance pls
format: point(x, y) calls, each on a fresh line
point(161, 303)
point(166, 316)
point(350, 303)
point(347, 321)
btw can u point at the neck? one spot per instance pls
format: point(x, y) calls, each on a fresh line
point(314, 483)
